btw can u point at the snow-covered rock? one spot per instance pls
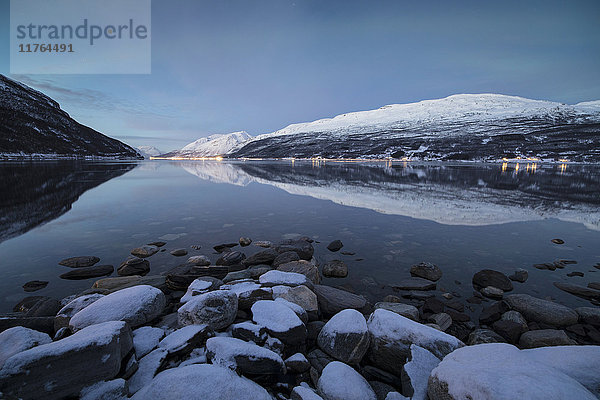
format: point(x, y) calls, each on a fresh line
point(211, 146)
point(184, 340)
point(275, 277)
point(305, 298)
point(210, 382)
point(73, 307)
point(539, 310)
point(146, 339)
point(297, 363)
point(406, 310)
point(135, 305)
point(304, 393)
point(502, 371)
point(216, 309)
point(61, 369)
point(148, 366)
point(248, 292)
point(300, 312)
point(345, 336)
point(198, 286)
point(339, 381)
point(280, 321)
point(244, 357)
point(18, 339)
point(392, 335)
point(106, 390)
point(249, 331)
point(415, 373)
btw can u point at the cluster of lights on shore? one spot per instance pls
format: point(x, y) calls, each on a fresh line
point(531, 162)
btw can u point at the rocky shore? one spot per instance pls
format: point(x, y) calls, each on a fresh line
point(264, 326)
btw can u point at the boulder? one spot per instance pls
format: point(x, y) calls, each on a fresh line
point(544, 337)
point(216, 309)
point(304, 248)
point(538, 310)
point(489, 277)
point(148, 367)
point(482, 372)
point(480, 336)
point(201, 286)
point(339, 381)
point(181, 342)
point(335, 245)
point(73, 307)
point(332, 300)
point(275, 277)
point(414, 284)
point(427, 271)
point(244, 357)
point(262, 257)
point(146, 339)
point(201, 261)
point(335, 269)
point(134, 266)
point(180, 277)
point(303, 267)
point(297, 363)
point(304, 393)
point(18, 339)
point(392, 335)
point(144, 251)
point(520, 275)
point(279, 321)
point(231, 258)
point(210, 382)
point(286, 257)
point(88, 356)
point(249, 332)
point(245, 241)
point(578, 290)
point(81, 261)
point(345, 336)
point(305, 298)
point(415, 373)
point(135, 305)
point(248, 292)
point(44, 308)
point(589, 315)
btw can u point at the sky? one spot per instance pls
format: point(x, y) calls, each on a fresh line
point(253, 65)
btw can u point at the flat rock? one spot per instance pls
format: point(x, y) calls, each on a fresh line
point(332, 300)
point(116, 282)
point(18, 339)
point(86, 357)
point(286, 257)
point(544, 337)
point(279, 321)
point(335, 245)
point(211, 382)
point(335, 269)
point(244, 357)
point(538, 310)
point(414, 284)
point(392, 335)
point(144, 251)
point(275, 277)
point(63, 316)
point(88, 272)
point(427, 271)
point(492, 292)
point(339, 381)
point(303, 247)
point(345, 336)
point(135, 305)
point(216, 309)
point(482, 371)
point(178, 252)
point(578, 290)
point(231, 258)
point(33, 286)
point(406, 310)
point(303, 267)
point(201, 261)
point(489, 277)
point(180, 277)
point(81, 261)
point(262, 257)
point(134, 266)
point(224, 247)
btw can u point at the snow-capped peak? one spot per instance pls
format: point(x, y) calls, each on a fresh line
point(148, 151)
point(213, 145)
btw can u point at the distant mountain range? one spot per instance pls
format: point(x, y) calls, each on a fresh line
point(211, 146)
point(148, 151)
point(33, 125)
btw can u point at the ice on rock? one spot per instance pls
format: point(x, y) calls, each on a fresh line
point(18, 339)
point(145, 339)
point(106, 390)
point(502, 371)
point(135, 305)
point(198, 286)
point(339, 381)
point(245, 357)
point(275, 278)
point(210, 382)
point(392, 335)
point(415, 373)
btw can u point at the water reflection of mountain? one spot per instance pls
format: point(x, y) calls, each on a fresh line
point(35, 193)
point(445, 193)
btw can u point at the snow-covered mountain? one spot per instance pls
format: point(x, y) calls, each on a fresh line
point(211, 146)
point(464, 126)
point(148, 151)
point(33, 125)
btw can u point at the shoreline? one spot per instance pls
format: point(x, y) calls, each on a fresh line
point(267, 317)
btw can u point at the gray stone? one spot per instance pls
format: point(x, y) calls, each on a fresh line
point(244, 357)
point(280, 321)
point(538, 310)
point(304, 393)
point(543, 338)
point(231, 258)
point(427, 271)
point(33, 286)
point(442, 320)
point(345, 336)
point(332, 300)
point(262, 257)
point(489, 277)
point(589, 315)
point(88, 272)
point(480, 336)
point(578, 290)
point(414, 284)
point(406, 310)
point(180, 277)
point(297, 363)
point(520, 275)
point(319, 359)
point(201, 261)
point(335, 269)
point(42, 324)
point(286, 257)
point(304, 267)
point(144, 251)
point(249, 332)
point(44, 308)
point(305, 298)
point(146, 339)
point(18, 339)
point(245, 241)
point(304, 249)
point(77, 262)
point(179, 252)
point(88, 356)
point(63, 316)
point(492, 292)
point(515, 316)
point(115, 389)
point(335, 245)
point(509, 330)
point(134, 266)
point(181, 342)
point(216, 309)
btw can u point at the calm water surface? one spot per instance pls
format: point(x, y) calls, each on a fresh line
point(461, 217)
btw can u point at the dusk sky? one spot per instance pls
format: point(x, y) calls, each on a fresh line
point(224, 66)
